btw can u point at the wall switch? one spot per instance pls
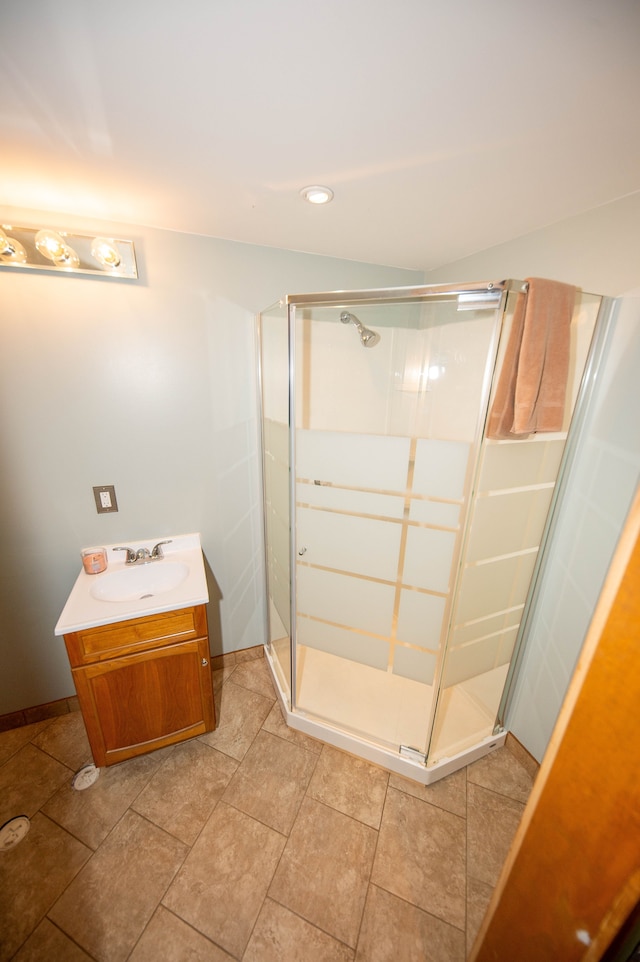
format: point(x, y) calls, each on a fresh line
point(105, 497)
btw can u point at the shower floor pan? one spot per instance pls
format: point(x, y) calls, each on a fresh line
point(339, 700)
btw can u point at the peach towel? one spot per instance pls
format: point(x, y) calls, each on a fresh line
point(531, 390)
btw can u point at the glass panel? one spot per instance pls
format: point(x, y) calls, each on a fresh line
point(506, 524)
point(274, 377)
point(386, 441)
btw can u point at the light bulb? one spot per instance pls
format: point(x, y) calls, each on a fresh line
point(105, 252)
point(11, 250)
point(317, 194)
point(51, 245)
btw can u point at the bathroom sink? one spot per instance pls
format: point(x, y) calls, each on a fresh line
point(145, 581)
point(125, 591)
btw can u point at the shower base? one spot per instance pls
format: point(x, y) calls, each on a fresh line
point(351, 695)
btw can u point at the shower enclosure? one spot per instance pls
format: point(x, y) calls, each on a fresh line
point(401, 542)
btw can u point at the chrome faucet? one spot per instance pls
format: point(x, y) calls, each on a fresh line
point(142, 556)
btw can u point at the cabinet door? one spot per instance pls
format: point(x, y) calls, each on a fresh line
point(138, 703)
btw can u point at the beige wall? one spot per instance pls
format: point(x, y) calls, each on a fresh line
point(147, 385)
point(598, 251)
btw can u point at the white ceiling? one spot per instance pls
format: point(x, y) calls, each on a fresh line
point(443, 126)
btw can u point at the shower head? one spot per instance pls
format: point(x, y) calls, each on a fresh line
point(367, 338)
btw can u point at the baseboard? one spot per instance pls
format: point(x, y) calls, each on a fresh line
point(525, 758)
point(27, 716)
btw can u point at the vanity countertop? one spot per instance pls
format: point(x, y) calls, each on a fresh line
point(84, 610)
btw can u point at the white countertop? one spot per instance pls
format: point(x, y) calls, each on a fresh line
point(82, 610)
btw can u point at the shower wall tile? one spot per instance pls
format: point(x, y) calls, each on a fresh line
point(346, 600)
point(428, 556)
point(435, 512)
point(358, 502)
point(420, 619)
point(360, 545)
point(364, 649)
point(494, 586)
point(411, 663)
point(440, 468)
point(507, 523)
point(356, 460)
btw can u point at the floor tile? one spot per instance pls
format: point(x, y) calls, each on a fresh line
point(223, 883)
point(502, 773)
point(185, 789)
point(91, 813)
point(168, 939)
point(281, 936)
point(118, 893)
point(421, 856)
point(48, 942)
point(492, 821)
point(12, 741)
point(325, 868)
point(66, 740)
point(32, 876)
point(352, 785)
point(240, 714)
point(254, 675)
point(478, 898)
point(220, 676)
point(249, 654)
point(395, 931)
point(28, 780)
point(449, 793)
point(271, 781)
point(276, 724)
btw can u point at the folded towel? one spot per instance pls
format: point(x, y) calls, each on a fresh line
point(530, 396)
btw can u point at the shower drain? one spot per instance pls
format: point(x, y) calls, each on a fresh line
point(13, 832)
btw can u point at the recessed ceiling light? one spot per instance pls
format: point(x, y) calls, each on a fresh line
point(317, 194)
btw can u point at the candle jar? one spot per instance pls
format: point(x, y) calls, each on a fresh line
point(94, 560)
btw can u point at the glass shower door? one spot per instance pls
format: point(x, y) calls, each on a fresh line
point(507, 517)
point(387, 439)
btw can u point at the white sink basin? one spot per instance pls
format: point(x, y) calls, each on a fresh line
point(145, 581)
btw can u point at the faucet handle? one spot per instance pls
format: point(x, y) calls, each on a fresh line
point(157, 551)
point(131, 555)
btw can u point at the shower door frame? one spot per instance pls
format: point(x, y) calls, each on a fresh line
point(410, 764)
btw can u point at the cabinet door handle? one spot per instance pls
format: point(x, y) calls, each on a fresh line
point(204, 662)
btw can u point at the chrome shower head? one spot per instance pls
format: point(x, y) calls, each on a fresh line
point(367, 338)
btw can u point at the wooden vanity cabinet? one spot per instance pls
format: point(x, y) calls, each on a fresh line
point(143, 684)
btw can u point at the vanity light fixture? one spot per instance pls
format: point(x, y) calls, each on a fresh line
point(59, 251)
point(11, 250)
point(51, 244)
point(106, 252)
point(316, 194)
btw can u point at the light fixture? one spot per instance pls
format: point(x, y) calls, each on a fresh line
point(51, 244)
point(45, 249)
point(11, 250)
point(316, 194)
point(106, 252)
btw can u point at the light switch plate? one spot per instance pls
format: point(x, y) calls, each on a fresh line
point(105, 497)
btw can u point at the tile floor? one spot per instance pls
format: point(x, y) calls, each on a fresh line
point(253, 843)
